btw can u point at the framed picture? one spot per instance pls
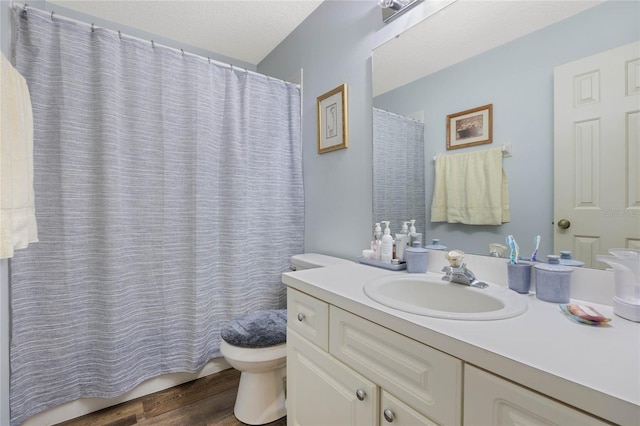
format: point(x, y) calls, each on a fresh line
point(470, 127)
point(332, 120)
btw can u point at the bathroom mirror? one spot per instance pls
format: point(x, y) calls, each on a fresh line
point(454, 61)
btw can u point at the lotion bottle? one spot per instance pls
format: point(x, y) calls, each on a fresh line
point(376, 241)
point(386, 253)
point(402, 241)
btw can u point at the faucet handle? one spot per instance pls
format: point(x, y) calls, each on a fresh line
point(455, 258)
point(448, 271)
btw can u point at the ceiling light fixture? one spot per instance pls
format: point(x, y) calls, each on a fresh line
point(391, 9)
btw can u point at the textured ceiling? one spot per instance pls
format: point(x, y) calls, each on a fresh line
point(247, 30)
point(461, 30)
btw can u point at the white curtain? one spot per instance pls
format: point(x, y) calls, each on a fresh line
point(398, 170)
point(169, 200)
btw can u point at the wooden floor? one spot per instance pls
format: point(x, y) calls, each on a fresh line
point(206, 401)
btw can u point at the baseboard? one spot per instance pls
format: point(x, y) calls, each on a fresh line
point(84, 406)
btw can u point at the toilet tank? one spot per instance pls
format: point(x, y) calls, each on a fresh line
point(314, 260)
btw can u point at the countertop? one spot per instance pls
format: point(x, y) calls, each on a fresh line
point(595, 369)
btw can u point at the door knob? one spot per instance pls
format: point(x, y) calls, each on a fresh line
point(564, 224)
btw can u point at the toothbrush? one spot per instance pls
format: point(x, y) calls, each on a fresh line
point(535, 252)
point(511, 243)
point(517, 250)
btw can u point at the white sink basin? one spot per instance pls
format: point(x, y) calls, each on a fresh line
point(426, 294)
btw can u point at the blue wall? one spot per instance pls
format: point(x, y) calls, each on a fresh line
point(334, 45)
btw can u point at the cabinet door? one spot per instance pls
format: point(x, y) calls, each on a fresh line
point(322, 391)
point(491, 400)
point(424, 378)
point(394, 412)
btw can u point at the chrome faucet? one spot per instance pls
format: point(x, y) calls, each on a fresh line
point(462, 275)
point(457, 272)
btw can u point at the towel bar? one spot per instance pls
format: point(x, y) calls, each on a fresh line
point(506, 151)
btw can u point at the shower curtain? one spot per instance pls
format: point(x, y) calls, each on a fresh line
point(398, 170)
point(169, 200)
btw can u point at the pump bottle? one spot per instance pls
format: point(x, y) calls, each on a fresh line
point(402, 241)
point(387, 244)
point(413, 235)
point(376, 241)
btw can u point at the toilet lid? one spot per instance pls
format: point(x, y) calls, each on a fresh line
point(316, 260)
point(259, 329)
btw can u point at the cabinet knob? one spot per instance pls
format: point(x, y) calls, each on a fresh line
point(361, 394)
point(300, 316)
point(388, 415)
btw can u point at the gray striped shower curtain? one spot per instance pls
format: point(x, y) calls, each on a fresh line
point(169, 200)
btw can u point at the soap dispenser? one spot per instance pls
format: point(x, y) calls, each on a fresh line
point(626, 277)
point(386, 254)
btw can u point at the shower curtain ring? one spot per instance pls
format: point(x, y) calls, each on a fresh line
point(182, 50)
point(52, 12)
point(24, 9)
point(93, 28)
point(153, 45)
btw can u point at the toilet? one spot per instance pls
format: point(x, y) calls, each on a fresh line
point(255, 345)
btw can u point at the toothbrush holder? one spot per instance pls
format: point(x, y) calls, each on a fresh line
point(519, 277)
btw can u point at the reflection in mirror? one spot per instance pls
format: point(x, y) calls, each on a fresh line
point(517, 77)
point(398, 170)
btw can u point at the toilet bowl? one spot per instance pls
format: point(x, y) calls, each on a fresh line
point(261, 394)
point(255, 345)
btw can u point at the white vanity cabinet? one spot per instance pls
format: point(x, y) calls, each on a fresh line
point(492, 400)
point(426, 370)
point(369, 375)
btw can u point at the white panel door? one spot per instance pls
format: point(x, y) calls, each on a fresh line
point(596, 153)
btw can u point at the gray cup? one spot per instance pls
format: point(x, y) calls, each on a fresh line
point(519, 277)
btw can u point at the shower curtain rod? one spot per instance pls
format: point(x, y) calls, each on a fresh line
point(92, 27)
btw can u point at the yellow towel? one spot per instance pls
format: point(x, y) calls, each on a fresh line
point(470, 188)
point(17, 207)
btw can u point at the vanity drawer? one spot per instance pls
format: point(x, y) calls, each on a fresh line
point(489, 399)
point(427, 380)
point(308, 317)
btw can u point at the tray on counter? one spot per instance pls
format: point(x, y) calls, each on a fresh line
point(380, 264)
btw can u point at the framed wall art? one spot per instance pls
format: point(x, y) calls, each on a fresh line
point(470, 127)
point(332, 120)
